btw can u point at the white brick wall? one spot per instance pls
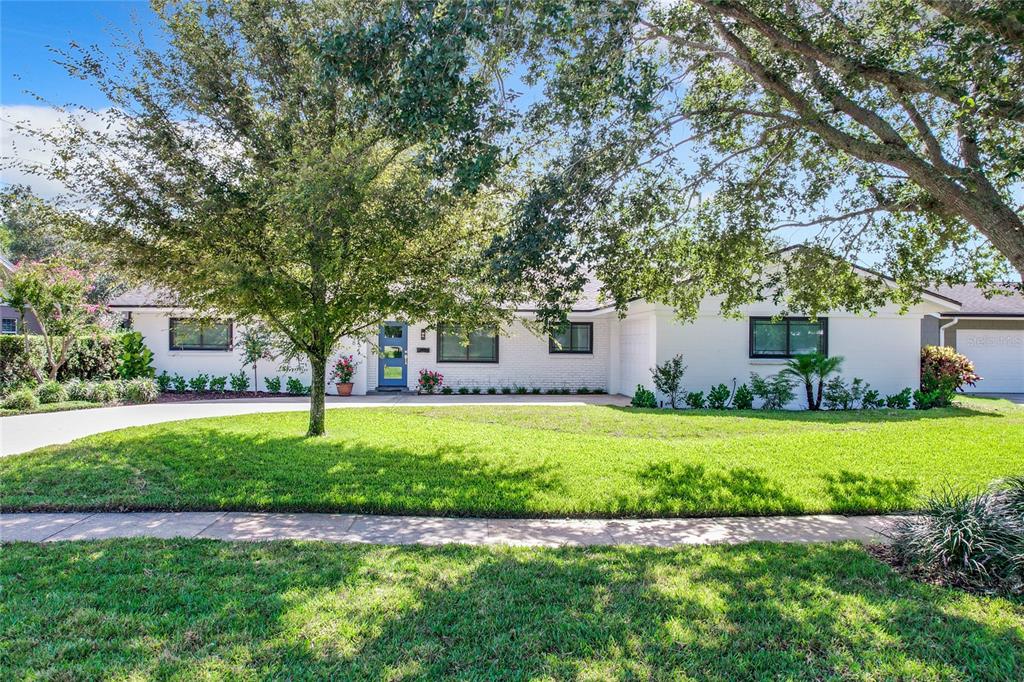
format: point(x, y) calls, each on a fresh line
point(523, 360)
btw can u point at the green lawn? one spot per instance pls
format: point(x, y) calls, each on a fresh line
point(54, 407)
point(187, 609)
point(528, 461)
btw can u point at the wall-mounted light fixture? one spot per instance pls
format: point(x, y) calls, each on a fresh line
point(423, 334)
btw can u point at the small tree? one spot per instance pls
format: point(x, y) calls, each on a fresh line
point(668, 378)
point(257, 344)
point(813, 368)
point(55, 292)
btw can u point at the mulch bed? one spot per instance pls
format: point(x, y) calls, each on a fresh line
point(215, 395)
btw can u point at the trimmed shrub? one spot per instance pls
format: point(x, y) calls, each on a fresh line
point(943, 373)
point(491, 390)
point(899, 401)
point(599, 391)
point(695, 400)
point(218, 384)
point(972, 540)
point(447, 390)
point(927, 400)
point(273, 384)
point(240, 382)
point(744, 398)
point(872, 400)
point(668, 379)
point(15, 368)
point(520, 390)
point(199, 382)
point(179, 384)
point(775, 392)
point(643, 397)
point(837, 394)
point(51, 392)
point(135, 359)
point(718, 397)
point(475, 390)
point(92, 358)
point(582, 390)
point(506, 390)
point(140, 390)
point(294, 386)
point(21, 399)
point(163, 382)
point(105, 392)
point(536, 390)
point(78, 389)
point(463, 390)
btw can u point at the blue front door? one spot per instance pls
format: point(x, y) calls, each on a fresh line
point(394, 345)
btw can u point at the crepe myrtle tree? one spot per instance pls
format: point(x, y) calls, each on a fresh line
point(674, 146)
point(239, 173)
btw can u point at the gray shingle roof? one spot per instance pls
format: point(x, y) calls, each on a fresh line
point(974, 303)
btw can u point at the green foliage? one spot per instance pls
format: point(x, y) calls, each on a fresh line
point(837, 395)
point(218, 384)
point(743, 399)
point(491, 390)
point(78, 390)
point(140, 390)
point(21, 399)
point(241, 170)
point(810, 368)
point(718, 397)
point(240, 382)
point(668, 379)
point(257, 344)
point(89, 358)
point(774, 392)
point(294, 386)
point(974, 540)
point(447, 390)
point(643, 397)
point(51, 392)
point(273, 384)
point(899, 401)
point(463, 390)
point(476, 390)
point(163, 381)
point(178, 383)
point(506, 390)
point(872, 399)
point(926, 400)
point(136, 359)
point(199, 382)
point(105, 392)
point(695, 400)
point(943, 373)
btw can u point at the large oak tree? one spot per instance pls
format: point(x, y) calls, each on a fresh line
point(676, 145)
point(241, 174)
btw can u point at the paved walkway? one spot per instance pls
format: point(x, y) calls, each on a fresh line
point(402, 530)
point(31, 431)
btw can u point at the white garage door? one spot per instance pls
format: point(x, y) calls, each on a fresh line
point(998, 357)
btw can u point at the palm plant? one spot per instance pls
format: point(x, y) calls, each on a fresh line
point(811, 368)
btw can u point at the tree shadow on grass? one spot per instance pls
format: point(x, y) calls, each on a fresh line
point(694, 490)
point(204, 468)
point(852, 492)
point(311, 611)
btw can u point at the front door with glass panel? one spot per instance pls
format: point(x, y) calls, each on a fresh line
point(394, 344)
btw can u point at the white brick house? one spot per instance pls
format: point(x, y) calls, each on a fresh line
point(605, 351)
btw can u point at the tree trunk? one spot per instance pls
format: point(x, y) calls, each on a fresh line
point(810, 395)
point(316, 395)
point(817, 402)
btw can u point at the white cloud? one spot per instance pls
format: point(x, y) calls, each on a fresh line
point(19, 146)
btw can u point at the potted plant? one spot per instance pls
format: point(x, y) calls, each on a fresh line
point(429, 381)
point(342, 374)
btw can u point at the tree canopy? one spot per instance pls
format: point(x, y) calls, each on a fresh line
point(676, 147)
point(238, 173)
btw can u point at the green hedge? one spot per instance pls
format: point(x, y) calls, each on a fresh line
point(91, 358)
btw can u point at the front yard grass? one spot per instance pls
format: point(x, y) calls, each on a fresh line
point(529, 461)
point(202, 609)
point(62, 406)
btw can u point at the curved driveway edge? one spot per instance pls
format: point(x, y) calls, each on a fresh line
point(30, 431)
point(422, 530)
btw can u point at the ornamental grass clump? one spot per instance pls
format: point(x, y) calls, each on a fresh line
point(975, 541)
point(51, 392)
point(140, 390)
point(105, 392)
point(21, 399)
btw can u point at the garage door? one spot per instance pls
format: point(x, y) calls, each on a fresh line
point(998, 357)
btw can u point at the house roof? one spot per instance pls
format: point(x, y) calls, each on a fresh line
point(973, 302)
point(144, 297)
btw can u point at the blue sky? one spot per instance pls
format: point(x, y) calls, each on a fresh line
point(28, 28)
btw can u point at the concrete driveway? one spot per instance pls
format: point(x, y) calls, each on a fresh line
point(28, 432)
point(1012, 397)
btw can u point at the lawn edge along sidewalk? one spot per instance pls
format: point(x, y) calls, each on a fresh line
point(402, 530)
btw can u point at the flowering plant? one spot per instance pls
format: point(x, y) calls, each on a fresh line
point(430, 381)
point(944, 372)
point(343, 370)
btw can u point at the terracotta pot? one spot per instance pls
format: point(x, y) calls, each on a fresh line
point(344, 389)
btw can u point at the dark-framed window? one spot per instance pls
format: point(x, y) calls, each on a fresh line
point(9, 325)
point(482, 346)
point(189, 334)
point(787, 337)
point(575, 337)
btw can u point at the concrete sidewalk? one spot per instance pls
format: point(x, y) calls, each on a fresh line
point(402, 530)
point(30, 431)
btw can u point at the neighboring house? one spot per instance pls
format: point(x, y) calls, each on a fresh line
point(598, 350)
point(10, 318)
point(989, 331)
